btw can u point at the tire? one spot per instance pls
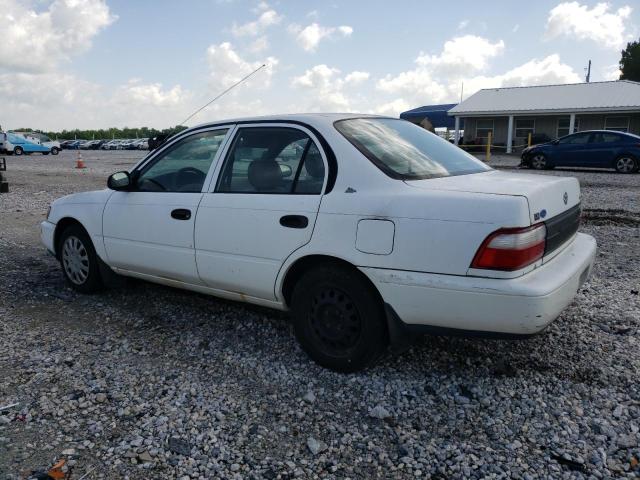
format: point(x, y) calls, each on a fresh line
point(79, 260)
point(55, 151)
point(538, 161)
point(18, 151)
point(339, 319)
point(626, 164)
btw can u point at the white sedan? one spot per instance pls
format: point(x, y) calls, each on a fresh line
point(368, 229)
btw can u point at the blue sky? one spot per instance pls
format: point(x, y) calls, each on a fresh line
point(101, 63)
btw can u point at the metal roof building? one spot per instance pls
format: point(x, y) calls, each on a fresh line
point(551, 110)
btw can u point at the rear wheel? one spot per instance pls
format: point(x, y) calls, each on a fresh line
point(18, 151)
point(626, 164)
point(79, 260)
point(339, 318)
point(538, 161)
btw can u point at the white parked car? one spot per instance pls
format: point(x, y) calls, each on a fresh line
point(368, 229)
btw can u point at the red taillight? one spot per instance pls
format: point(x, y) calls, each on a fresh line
point(511, 248)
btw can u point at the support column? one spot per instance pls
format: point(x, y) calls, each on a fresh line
point(456, 133)
point(510, 134)
point(572, 122)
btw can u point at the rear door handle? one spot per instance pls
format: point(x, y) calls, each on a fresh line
point(294, 221)
point(181, 214)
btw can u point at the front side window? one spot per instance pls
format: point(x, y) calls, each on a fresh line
point(405, 151)
point(577, 139)
point(563, 126)
point(620, 124)
point(484, 126)
point(183, 167)
point(272, 160)
point(525, 126)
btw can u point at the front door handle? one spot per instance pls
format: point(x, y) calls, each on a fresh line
point(294, 221)
point(181, 214)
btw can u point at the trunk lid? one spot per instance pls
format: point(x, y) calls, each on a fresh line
point(546, 195)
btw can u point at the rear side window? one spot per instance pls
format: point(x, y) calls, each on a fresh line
point(406, 151)
point(606, 138)
point(272, 160)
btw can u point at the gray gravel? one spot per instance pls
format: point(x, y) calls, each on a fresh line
point(151, 382)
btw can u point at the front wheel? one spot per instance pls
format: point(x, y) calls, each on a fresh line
point(18, 151)
point(79, 260)
point(626, 164)
point(55, 151)
point(538, 161)
point(339, 319)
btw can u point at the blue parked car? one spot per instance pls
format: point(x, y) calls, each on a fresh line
point(593, 148)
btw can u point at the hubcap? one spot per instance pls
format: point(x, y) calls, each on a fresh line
point(75, 260)
point(335, 320)
point(538, 161)
point(625, 164)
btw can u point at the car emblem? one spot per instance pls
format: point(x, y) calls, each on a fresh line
point(565, 197)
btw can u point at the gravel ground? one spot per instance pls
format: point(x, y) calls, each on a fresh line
point(151, 382)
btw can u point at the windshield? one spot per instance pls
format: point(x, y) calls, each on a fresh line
point(406, 151)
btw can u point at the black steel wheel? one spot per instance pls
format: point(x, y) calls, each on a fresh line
point(339, 318)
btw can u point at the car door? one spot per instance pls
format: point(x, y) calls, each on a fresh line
point(604, 148)
point(261, 208)
point(571, 150)
point(149, 230)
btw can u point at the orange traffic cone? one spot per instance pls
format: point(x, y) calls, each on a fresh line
point(79, 161)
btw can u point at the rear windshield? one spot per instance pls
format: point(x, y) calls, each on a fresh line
point(406, 151)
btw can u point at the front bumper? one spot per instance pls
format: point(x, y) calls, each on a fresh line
point(47, 231)
point(506, 307)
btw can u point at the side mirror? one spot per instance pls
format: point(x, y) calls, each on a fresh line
point(119, 181)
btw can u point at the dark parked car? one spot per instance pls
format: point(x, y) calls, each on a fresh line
point(594, 148)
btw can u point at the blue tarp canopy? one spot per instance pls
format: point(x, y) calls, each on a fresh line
point(437, 115)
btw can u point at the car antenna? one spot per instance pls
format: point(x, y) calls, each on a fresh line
point(159, 140)
point(223, 93)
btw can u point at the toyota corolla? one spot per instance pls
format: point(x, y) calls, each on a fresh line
point(367, 229)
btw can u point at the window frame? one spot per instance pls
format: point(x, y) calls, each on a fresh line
point(616, 129)
point(587, 134)
point(516, 128)
point(213, 186)
point(156, 155)
point(493, 127)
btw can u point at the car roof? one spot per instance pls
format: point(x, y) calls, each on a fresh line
point(309, 118)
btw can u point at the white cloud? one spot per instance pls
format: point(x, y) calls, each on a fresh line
point(462, 54)
point(571, 19)
point(37, 41)
point(227, 66)
point(356, 77)
point(310, 36)
point(611, 72)
point(135, 92)
point(438, 78)
point(393, 108)
point(260, 44)
point(326, 89)
point(267, 18)
point(463, 24)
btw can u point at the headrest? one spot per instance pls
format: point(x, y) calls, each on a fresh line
point(265, 175)
point(313, 163)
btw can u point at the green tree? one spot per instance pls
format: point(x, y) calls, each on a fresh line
point(630, 62)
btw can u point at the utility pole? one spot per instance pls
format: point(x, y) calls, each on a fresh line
point(588, 69)
point(461, 91)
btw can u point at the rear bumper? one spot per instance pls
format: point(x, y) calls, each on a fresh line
point(486, 306)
